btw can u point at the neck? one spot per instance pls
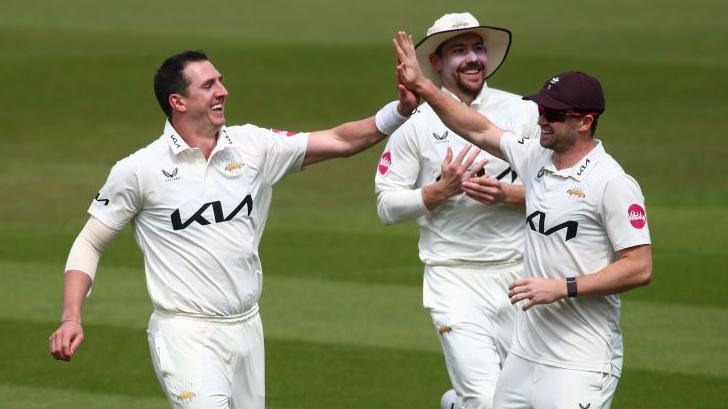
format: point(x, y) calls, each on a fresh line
point(197, 136)
point(574, 154)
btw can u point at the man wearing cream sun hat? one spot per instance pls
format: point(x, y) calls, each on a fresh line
point(471, 239)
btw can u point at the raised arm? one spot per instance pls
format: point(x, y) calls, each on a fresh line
point(351, 138)
point(467, 123)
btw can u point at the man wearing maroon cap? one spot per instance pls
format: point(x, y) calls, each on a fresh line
point(586, 240)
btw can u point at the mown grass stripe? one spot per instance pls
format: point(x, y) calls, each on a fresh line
point(115, 365)
point(389, 316)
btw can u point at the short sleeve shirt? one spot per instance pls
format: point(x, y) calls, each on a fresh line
point(576, 220)
point(199, 221)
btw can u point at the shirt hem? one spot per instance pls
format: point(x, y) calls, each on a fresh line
point(603, 368)
point(475, 263)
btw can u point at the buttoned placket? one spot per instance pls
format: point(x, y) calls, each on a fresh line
point(203, 164)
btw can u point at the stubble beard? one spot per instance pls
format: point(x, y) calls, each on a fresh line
point(471, 91)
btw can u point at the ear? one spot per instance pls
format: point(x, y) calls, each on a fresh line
point(436, 62)
point(177, 103)
point(586, 123)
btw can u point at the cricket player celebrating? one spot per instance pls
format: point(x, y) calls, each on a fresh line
point(471, 252)
point(198, 198)
point(587, 239)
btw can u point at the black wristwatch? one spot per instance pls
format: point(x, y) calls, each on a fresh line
point(571, 287)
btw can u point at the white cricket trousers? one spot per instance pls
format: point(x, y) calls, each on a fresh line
point(207, 363)
point(526, 384)
point(474, 319)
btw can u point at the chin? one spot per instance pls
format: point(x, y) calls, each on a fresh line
point(547, 141)
point(218, 122)
point(472, 89)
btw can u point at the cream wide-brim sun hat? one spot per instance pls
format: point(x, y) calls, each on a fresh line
point(497, 41)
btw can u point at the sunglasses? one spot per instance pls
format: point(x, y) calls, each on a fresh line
point(555, 115)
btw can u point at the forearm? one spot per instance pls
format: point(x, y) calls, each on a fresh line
point(75, 287)
point(351, 138)
point(633, 269)
point(400, 205)
point(357, 136)
point(515, 195)
point(81, 266)
point(624, 274)
point(434, 195)
point(464, 121)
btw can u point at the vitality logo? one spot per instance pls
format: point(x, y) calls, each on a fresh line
point(570, 226)
point(178, 224)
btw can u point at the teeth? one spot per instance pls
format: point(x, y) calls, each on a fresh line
point(217, 107)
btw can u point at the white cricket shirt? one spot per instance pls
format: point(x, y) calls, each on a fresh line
point(576, 220)
point(198, 222)
point(461, 230)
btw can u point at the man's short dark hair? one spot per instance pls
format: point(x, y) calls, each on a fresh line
point(170, 79)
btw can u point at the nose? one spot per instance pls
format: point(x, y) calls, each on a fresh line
point(221, 91)
point(472, 55)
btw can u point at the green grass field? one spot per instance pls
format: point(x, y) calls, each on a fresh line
point(341, 306)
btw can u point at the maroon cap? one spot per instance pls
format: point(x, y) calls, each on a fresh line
point(571, 91)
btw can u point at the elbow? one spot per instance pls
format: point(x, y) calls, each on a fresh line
point(385, 216)
point(645, 276)
point(644, 272)
point(639, 260)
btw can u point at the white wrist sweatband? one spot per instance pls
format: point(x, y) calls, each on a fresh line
point(86, 250)
point(388, 119)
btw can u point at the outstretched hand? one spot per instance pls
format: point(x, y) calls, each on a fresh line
point(408, 100)
point(408, 70)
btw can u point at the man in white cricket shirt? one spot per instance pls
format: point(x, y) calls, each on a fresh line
point(471, 252)
point(198, 199)
point(587, 239)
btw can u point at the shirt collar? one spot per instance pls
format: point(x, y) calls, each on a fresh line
point(581, 168)
point(481, 99)
point(177, 144)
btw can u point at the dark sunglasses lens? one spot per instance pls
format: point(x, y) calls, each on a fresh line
point(552, 115)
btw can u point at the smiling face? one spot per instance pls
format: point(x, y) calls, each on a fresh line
point(202, 103)
point(462, 63)
point(561, 132)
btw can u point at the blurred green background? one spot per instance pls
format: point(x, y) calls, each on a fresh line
point(341, 306)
